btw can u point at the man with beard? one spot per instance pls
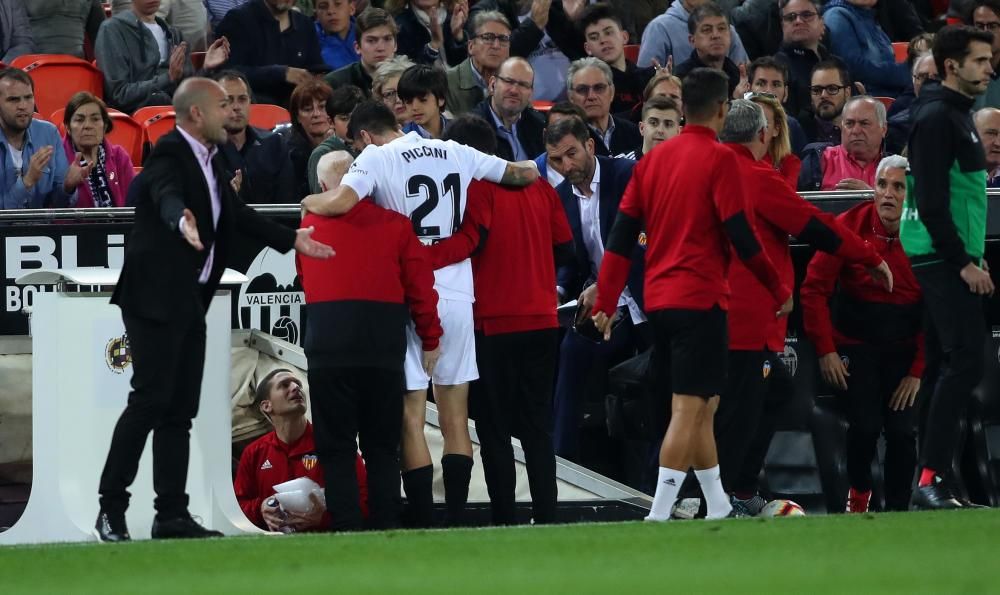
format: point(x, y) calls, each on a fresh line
point(518, 126)
point(274, 46)
point(187, 217)
point(830, 86)
point(35, 172)
point(259, 156)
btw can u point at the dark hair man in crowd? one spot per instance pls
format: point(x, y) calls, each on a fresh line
point(801, 48)
point(692, 207)
point(710, 38)
point(260, 156)
point(830, 88)
point(944, 234)
point(661, 120)
point(515, 236)
point(376, 42)
point(605, 38)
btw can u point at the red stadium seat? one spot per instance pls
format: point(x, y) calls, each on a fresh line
point(155, 127)
point(263, 115)
point(127, 133)
point(899, 48)
point(144, 113)
point(542, 106)
point(197, 60)
point(632, 53)
point(57, 119)
point(886, 101)
point(58, 77)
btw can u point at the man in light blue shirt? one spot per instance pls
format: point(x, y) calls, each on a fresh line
point(35, 171)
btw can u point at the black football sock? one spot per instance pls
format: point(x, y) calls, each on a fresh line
point(418, 485)
point(457, 473)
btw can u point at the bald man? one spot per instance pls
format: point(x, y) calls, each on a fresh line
point(187, 215)
point(988, 126)
point(332, 167)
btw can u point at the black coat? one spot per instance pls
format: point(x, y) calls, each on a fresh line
point(159, 278)
point(529, 131)
point(413, 38)
point(267, 170)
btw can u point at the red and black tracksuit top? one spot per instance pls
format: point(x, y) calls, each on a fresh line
point(777, 213)
point(690, 196)
point(843, 305)
point(514, 236)
point(359, 301)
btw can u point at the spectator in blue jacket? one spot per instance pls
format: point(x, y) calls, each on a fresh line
point(34, 171)
point(857, 38)
point(336, 32)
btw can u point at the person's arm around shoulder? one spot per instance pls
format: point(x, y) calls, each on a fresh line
point(359, 181)
point(418, 287)
point(471, 236)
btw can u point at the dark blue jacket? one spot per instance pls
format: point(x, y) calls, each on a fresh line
point(857, 38)
point(413, 38)
point(267, 170)
point(615, 176)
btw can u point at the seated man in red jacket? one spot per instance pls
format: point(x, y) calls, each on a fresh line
point(358, 307)
point(284, 454)
point(869, 342)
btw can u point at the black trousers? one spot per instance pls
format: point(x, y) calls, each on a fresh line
point(167, 363)
point(355, 407)
point(514, 395)
point(875, 373)
point(778, 391)
point(955, 330)
point(741, 405)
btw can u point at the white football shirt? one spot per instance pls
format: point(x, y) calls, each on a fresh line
point(427, 180)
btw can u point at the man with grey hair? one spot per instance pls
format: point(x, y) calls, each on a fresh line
point(489, 46)
point(518, 126)
point(900, 120)
point(987, 121)
point(851, 164)
point(871, 351)
point(591, 86)
point(187, 216)
point(756, 336)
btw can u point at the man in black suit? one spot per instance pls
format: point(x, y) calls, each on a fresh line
point(517, 126)
point(187, 216)
point(590, 195)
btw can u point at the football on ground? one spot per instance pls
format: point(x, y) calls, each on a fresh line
point(782, 508)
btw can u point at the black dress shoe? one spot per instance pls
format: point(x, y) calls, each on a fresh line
point(111, 527)
point(933, 497)
point(183, 527)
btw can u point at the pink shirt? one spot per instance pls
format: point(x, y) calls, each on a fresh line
point(838, 165)
point(204, 157)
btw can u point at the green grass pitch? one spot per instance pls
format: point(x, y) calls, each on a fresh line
point(945, 552)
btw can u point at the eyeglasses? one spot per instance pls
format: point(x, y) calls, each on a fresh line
point(491, 38)
point(585, 90)
point(390, 96)
point(828, 89)
point(524, 85)
point(923, 77)
point(991, 27)
point(807, 16)
point(751, 94)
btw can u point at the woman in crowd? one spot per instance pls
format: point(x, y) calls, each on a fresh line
point(431, 31)
point(385, 83)
point(311, 125)
point(87, 124)
point(779, 150)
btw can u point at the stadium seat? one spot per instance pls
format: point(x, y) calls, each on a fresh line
point(57, 119)
point(144, 113)
point(899, 48)
point(268, 116)
point(198, 60)
point(58, 77)
point(886, 101)
point(155, 127)
point(126, 133)
point(542, 106)
point(632, 53)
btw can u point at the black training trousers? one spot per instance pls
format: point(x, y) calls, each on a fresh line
point(355, 406)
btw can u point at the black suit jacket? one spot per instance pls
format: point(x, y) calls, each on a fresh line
point(615, 176)
point(626, 140)
point(268, 177)
point(529, 131)
point(159, 279)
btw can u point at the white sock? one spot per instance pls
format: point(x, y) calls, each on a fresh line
point(668, 483)
point(716, 498)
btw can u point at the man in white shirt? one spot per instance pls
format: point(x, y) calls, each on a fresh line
point(427, 180)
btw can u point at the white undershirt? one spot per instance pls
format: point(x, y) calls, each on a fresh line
point(17, 156)
point(161, 40)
